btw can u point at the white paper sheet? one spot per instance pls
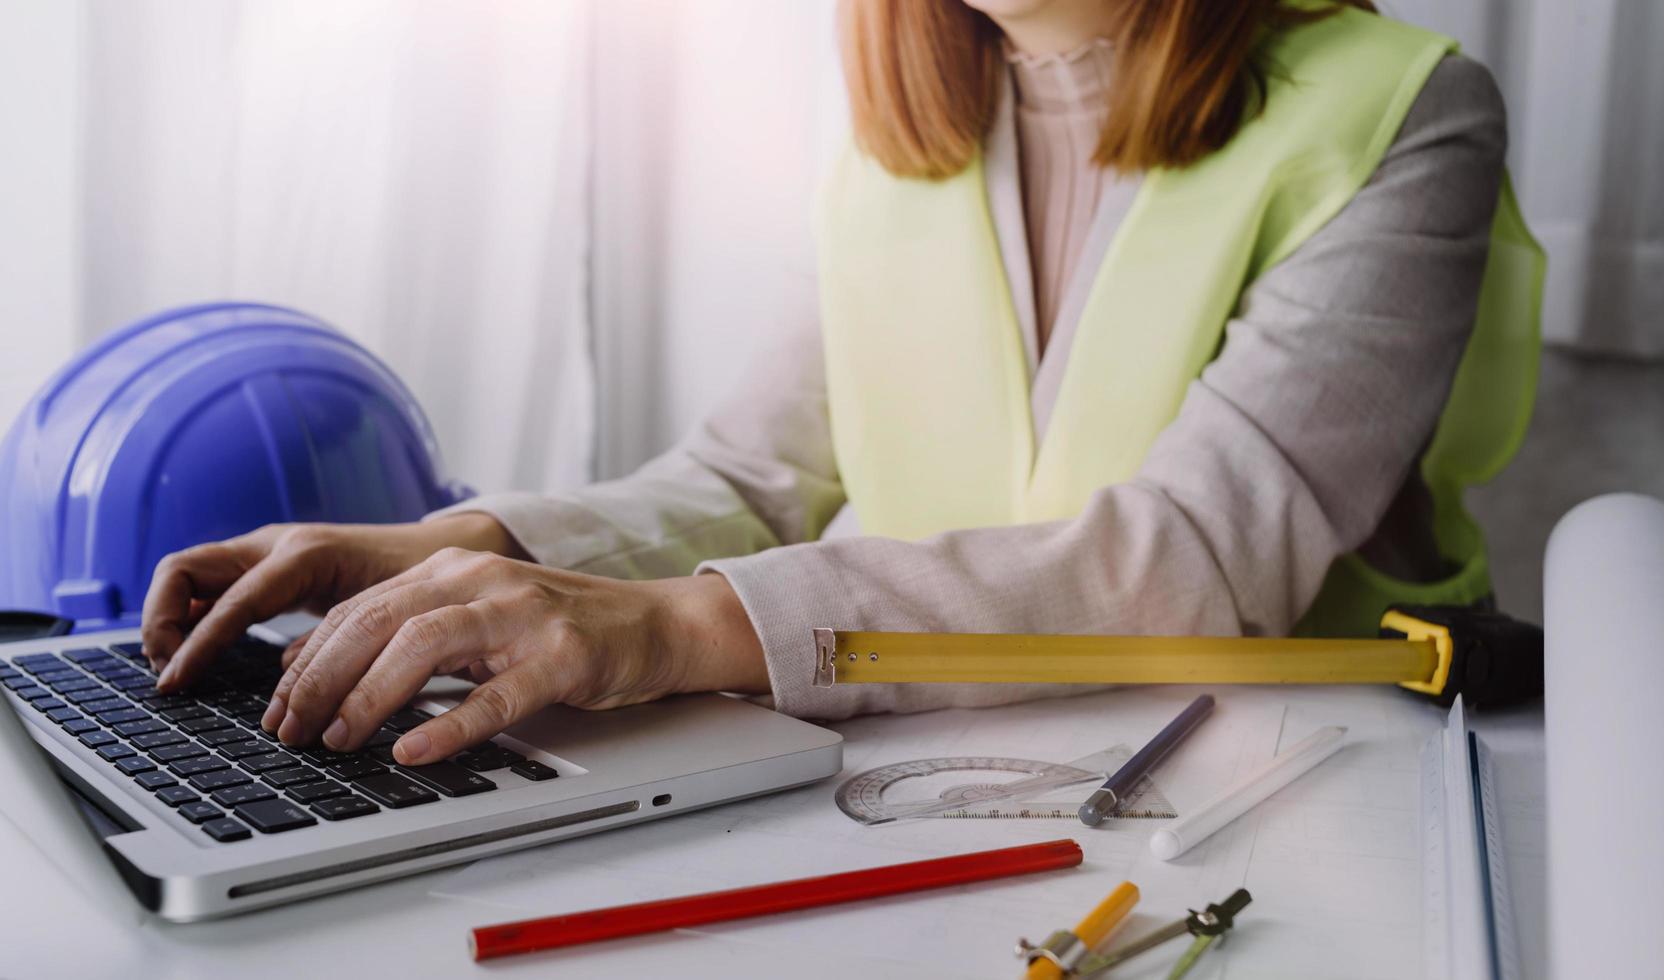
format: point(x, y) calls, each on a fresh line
point(1332, 859)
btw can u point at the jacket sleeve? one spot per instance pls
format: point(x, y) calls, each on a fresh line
point(757, 473)
point(1285, 454)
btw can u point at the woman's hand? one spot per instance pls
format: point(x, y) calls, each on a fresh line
point(223, 588)
point(529, 635)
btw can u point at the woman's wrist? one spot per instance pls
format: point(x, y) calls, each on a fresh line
point(472, 530)
point(702, 623)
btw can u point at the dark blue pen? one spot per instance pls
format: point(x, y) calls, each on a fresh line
point(1116, 787)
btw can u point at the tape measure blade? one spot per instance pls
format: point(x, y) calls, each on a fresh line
point(876, 657)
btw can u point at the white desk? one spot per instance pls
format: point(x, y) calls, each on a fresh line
point(399, 929)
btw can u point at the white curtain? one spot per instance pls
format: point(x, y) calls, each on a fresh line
point(412, 171)
point(713, 123)
point(1584, 80)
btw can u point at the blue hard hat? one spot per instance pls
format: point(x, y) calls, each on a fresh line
point(195, 425)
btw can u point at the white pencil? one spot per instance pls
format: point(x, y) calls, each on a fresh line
point(1247, 793)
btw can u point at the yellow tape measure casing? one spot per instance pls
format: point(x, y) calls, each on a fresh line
point(1424, 631)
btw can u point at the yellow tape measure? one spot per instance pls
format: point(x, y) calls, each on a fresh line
point(1420, 660)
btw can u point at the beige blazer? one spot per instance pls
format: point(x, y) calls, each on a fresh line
point(1295, 446)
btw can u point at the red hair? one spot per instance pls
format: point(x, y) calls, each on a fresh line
point(924, 78)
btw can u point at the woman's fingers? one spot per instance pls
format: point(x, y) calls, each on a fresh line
point(493, 706)
point(340, 661)
point(276, 584)
point(295, 665)
point(294, 648)
point(202, 572)
point(435, 566)
point(434, 642)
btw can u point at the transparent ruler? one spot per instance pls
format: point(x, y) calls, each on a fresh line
point(982, 788)
point(1467, 911)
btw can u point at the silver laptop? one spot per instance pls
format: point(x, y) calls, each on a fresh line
point(202, 814)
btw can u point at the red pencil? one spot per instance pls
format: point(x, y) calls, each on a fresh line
point(555, 931)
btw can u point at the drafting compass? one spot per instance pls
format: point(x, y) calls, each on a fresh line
point(1208, 927)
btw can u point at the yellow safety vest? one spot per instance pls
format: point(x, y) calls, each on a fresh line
point(928, 383)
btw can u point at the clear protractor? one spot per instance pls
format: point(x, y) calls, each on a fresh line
point(861, 797)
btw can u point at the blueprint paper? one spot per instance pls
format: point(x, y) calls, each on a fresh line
point(1603, 579)
point(1331, 860)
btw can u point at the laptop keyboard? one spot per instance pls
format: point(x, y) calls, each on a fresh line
point(204, 754)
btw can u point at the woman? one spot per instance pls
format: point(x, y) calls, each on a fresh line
point(1137, 316)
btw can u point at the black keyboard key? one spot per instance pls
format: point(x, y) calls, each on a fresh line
point(275, 816)
point(534, 770)
point(157, 740)
point(174, 753)
point(93, 740)
point(49, 705)
point(313, 792)
point(450, 778)
point(75, 684)
point(238, 795)
point(199, 810)
point(344, 808)
point(404, 721)
point(18, 680)
point(32, 693)
point(327, 757)
point(292, 776)
point(132, 651)
point(139, 691)
point(226, 830)
point(114, 751)
point(92, 695)
point(394, 791)
point(154, 779)
point(244, 749)
point(355, 767)
point(266, 763)
point(196, 726)
point(106, 704)
point(489, 759)
point(157, 702)
point(108, 667)
point(207, 782)
point(52, 678)
point(132, 682)
point(185, 712)
point(123, 716)
point(81, 726)
point(37, 663)
point(63, 715)
point(133, 729)
point(84, 654)
point(199, 764)
point(250, 716)
point(241, 703)
point(176, 795)
point(222, 736)
point(382, 736)
point(133, 765)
